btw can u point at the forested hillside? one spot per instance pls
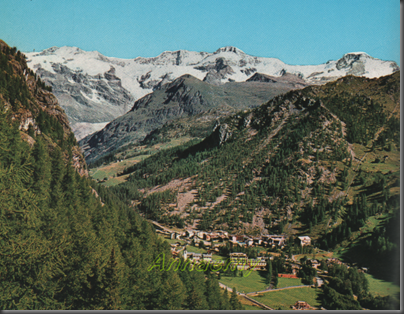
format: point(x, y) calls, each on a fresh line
point(319, 161)
point(66, 242)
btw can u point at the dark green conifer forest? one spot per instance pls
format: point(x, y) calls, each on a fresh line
point(65, 241)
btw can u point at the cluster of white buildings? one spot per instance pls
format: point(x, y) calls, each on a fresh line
point(218, 238)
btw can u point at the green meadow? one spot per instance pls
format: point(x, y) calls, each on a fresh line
point(284, 299)
point(382, 288)
point(255, 282)
point(289, 282)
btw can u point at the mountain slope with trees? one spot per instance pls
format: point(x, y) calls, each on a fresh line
point(66, 242)
point(318, 161)
point(185, 97)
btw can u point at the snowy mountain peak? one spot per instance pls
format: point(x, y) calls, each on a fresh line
point(48, 51)
point(230, 49)
point(355, 62)
point(63, 52)
point(359, 53)
point(356, 56)
point(87, 72)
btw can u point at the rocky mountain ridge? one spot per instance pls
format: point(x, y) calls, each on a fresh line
point(93, 89)
point(187, 96)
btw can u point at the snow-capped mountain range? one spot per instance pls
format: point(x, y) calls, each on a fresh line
point(93, 89)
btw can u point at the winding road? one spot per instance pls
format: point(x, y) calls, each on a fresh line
point(285, 288)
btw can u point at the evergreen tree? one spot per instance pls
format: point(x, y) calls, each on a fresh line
point(226, 300)
point(213, 295)
point(268, 276)
point(234, 301)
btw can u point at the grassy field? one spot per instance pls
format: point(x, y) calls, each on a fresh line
point(288, 282)
point(382, 288)
point(171, 241)
point(131, 157)
point(253, 282)
point(218, 257)
point(248, 305)
point(116, 180)
point(196, 249)
point(111, 170)
point(391, 164)
point(283, 299)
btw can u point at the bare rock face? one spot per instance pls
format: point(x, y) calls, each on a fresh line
point(79, 161)
point(354, 63)
point(285, 78)
point(351, 58)
point(216, 72)
point(221, 134)
point(259, 77)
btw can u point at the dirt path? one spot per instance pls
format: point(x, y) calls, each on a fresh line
point(160, 226)
point(271, 290)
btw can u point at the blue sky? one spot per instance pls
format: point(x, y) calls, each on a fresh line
point(295, 31)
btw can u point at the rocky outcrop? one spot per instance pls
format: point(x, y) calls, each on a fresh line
point(248, 71)
point(259, 77)
point(78, 161)
point(221, 134)
point(285, 78)
point(350, 58)
point(216, 72)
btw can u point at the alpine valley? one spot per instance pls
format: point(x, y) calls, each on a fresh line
point(204, 159)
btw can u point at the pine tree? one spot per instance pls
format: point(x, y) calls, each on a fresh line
point(276, 280)
point(234, 301)
point(195, 300)
point(112, 284)
point(269, 272)
point(212, 292)
point(225, 300)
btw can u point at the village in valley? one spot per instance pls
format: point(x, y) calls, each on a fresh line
point(251, 253)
